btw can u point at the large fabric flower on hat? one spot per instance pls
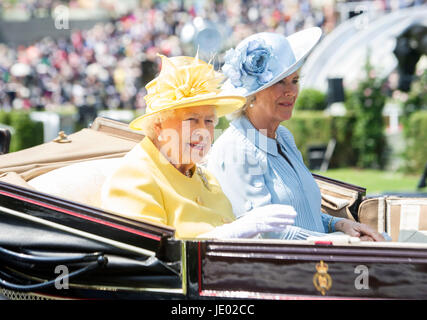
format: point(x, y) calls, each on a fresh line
point(248, 66)
point(186, 82)
point(181, 79)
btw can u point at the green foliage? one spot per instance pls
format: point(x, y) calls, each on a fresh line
point(375, 181)
point(342, 131)
point(4, 117)
point(414, 119)
point(311, 99)
point(416, 139)
point(367, 103)
point(417, 98)
point(316, 128)
point(27, 133)
point(309, 128)
point(221, 126)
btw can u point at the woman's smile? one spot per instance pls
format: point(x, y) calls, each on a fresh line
point(286, 104)
point(197, 145)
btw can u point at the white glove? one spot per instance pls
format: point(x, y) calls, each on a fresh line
point(270, 218)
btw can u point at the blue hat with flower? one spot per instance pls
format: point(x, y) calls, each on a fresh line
point(265, 58)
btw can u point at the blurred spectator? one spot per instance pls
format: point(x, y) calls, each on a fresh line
point(108, 66)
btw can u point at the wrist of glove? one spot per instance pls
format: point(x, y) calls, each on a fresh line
point(270, 218)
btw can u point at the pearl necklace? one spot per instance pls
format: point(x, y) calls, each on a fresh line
point(203, 177)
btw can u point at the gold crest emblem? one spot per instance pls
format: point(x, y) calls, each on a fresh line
point(322, 280)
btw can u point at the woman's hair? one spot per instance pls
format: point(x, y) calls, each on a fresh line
point(242, 111)
point(148, 124)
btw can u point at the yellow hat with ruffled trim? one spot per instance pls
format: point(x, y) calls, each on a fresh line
point(187, 82)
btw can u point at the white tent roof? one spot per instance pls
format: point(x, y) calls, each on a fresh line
point(342, 53)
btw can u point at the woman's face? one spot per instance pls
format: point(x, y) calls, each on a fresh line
point(188, 135)
point(277, 101)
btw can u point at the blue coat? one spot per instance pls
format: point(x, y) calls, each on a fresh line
point(253, 173)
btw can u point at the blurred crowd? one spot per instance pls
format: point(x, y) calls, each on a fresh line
point(107, 66)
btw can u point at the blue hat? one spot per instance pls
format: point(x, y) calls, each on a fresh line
point(265, 58)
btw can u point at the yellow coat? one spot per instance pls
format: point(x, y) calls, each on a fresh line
point(148, 187)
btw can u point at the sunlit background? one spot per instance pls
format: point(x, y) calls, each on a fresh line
point(362, 112)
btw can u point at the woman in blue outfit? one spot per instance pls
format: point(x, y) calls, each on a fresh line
point(256, 160)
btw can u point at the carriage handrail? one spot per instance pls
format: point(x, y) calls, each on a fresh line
point(49, 259)
point(97, 258)
point(50, 283)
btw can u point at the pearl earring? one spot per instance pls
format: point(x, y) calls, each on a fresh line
point(251, 105)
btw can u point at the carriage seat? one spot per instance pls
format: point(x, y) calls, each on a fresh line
point(80, 182)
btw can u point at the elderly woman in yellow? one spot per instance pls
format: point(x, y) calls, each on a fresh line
point(159, 180)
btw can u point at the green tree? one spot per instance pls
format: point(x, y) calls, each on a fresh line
point(311, 99)
point(367, 104)
point(416, 142)
point(28, 133)
point(417, 97)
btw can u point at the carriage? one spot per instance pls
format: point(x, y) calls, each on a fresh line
point(56, 242)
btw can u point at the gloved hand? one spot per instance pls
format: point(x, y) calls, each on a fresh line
point(269, 218)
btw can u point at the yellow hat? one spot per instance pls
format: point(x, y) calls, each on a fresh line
point(187, 82)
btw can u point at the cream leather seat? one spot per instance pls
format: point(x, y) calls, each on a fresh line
point(80, 182)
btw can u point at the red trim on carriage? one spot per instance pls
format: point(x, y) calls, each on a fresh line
point(110, 224)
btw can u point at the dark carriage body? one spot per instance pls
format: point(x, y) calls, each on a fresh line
point(55, 247)
point(144, 261)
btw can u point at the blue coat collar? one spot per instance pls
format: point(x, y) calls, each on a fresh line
point(261, 141)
